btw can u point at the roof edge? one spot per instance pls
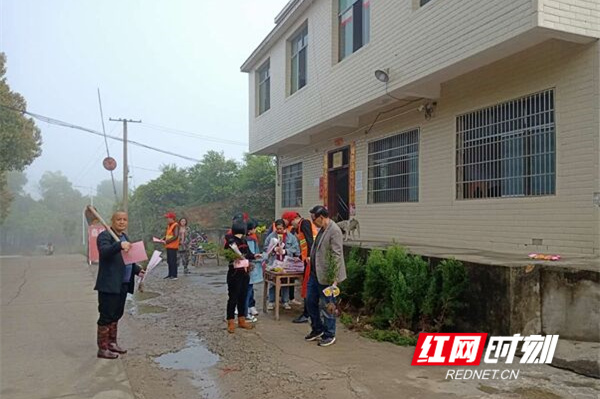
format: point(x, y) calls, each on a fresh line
point(282, 21)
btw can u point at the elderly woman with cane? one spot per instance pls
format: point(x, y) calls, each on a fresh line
point(115, 279)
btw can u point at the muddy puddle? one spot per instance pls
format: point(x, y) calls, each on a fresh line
point(144, 296)
point(196, 359)
point(135, 304)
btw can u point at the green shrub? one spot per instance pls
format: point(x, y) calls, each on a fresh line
point(375, 279)
point(352, 288)
point(333, 267)
point(383, 318)
point(403, 305)
point(444, 295)
point(417, 276)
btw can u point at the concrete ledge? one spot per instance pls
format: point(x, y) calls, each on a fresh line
point(511, 294)
point(580, 357)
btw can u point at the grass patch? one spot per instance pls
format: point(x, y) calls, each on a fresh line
point(390, 336)
point(346, 320)
point(365, 327)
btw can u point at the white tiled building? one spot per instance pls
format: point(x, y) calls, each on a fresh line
point(486, 135)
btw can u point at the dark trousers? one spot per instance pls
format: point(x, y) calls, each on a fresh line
point(111, 306)
point(172, 261)
point(237, 288)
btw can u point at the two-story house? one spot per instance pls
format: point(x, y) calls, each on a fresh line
point(467, 124)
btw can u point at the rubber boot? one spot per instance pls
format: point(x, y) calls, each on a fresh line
point(112, 333)
point(243, 324)
point(231, 326)
point(103, 342)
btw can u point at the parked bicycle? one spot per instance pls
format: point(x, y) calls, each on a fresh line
point(199, 244)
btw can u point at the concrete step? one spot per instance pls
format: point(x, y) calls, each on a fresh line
point(580, 357)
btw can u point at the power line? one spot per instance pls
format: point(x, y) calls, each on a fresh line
point(97, 157)
point(57, 122)
point(193, 135)
point(141, 168)
point(112, 175)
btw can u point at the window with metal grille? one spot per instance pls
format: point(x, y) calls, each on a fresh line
point(507, 150)
point(264, 87)
point(394, 169)
point(291, 182)
point(299, 45)
point(354, 19)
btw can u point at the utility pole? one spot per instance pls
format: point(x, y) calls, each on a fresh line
point(125, 167)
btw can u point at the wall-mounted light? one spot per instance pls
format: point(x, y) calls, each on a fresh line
point(382, 75)
point(427, 109)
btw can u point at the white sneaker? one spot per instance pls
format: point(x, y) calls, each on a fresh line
point(236, 312)
point(270, 306)
point(286, 306)
point(296, 302)
point(253, 311)
point(251, 319)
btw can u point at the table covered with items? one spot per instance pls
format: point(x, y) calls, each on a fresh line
point(285, 273)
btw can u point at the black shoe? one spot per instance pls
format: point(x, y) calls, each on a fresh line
point(327, 341)
point(300, 319)
point(313, 335)
point(166, 278)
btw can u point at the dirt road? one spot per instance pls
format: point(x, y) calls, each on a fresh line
point(180, 348)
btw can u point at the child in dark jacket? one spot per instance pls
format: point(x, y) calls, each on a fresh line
point(237, 275)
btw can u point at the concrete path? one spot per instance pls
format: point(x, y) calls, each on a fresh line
point(48, 332)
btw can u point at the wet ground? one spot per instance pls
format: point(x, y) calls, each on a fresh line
point(179, 348)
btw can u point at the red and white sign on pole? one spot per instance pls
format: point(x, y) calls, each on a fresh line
point(93, 232)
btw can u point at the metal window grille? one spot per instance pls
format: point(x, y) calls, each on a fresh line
point(507, 150)
point(264, 88)
point(394, 168)
point(291, 180)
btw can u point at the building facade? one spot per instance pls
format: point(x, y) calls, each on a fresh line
point(479, 130)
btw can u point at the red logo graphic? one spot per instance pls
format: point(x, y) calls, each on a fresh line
point(449, 349)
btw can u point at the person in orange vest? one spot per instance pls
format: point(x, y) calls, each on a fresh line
point(172, 244)
point(305, 232)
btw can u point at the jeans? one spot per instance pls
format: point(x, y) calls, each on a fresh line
point(250, 302)
point(172, 261)
point(111, 306)
point(237, 288)
point(316, 304)
point(285, 294)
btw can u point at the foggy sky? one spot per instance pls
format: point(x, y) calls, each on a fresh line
point(172, 63)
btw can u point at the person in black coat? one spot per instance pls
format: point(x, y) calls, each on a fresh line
point(238, 277)
point(115, 279)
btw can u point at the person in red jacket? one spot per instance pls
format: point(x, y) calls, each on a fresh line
point(305, 232)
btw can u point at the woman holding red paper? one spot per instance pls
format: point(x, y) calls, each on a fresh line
point(115, 279)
